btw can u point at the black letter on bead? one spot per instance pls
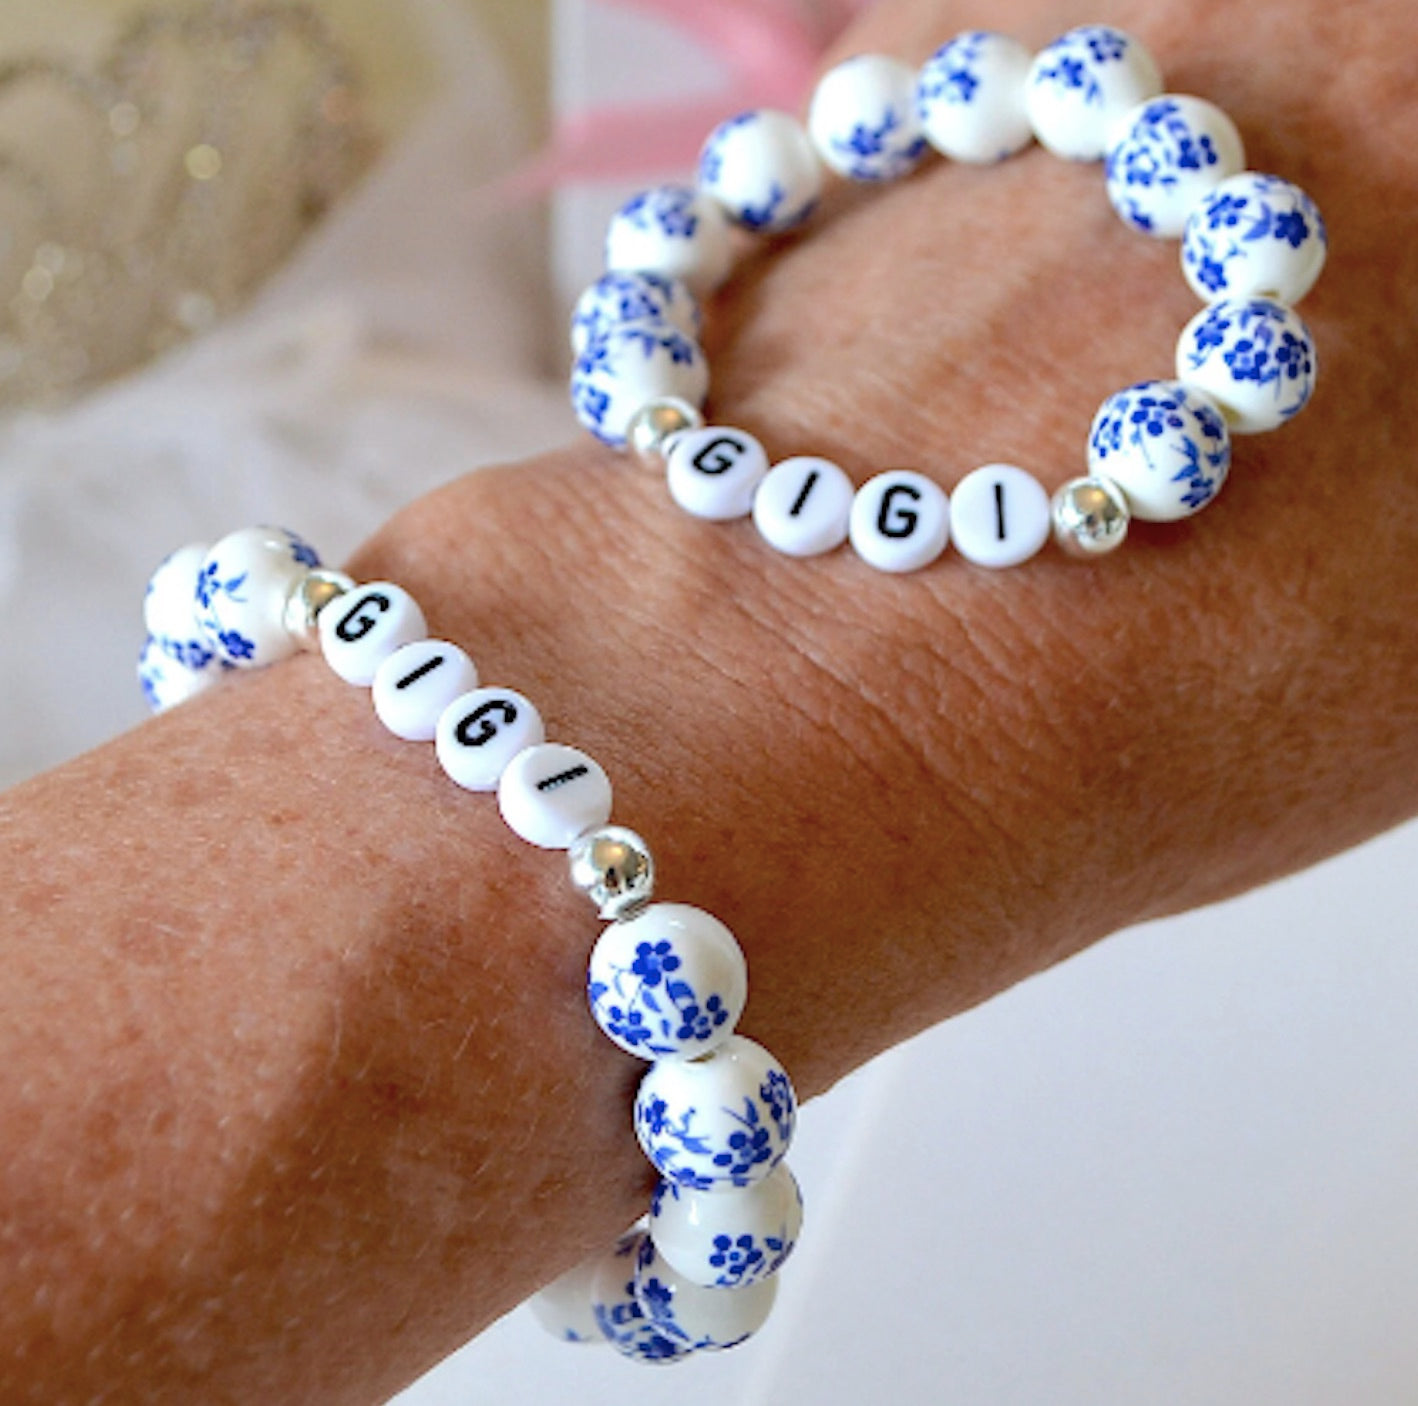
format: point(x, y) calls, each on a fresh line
point(719, 455)
point(802, 497)
point(427, 667)
point(488, 730)
point(999, 511)
point(353, 625)
point(563, 778)
point(904, 523)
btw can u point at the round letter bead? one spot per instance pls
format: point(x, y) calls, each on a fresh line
point(704, 1320)
point(999, 516)
point(1254, 358)
point(1082, 84)
point(1165, 445)
point(479, 734)
point(170, 608)
point(714, 472)
point(1171, 152)
point(722, 1120)
point(549, 794)
point(863, 119)
point(166, 681)
point(629, 365)
point(726, 1239)
point(415, 684)
point(1254, 237)
point(803, 507)
point(900, 521)
point(971, 97)
point(674, 232)
point(242, 589)
point(617, 1313)
point(565, 1308)
point(670, 981)
point(365, 626)
point(628, 297)
point(761, 169)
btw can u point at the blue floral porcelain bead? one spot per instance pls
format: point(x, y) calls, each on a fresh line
point(971, 97)
point(242, 589)
point(1164, 445)
point(166, 681)
point(170, 608)
point(615, 298)
point(1082, 84)
point(726, 1239)
point(722, 1120)
point(566, 1307)
point(670, 981)
point(1254, 236)
point(760, 167)
point(1170, 152)
point(1254, 358)
point(627, 367)
point(617, 1312)
point(863, 119)
point(673, 232)
point(704, 1320)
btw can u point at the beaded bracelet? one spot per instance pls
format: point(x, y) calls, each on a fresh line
point(666, 981)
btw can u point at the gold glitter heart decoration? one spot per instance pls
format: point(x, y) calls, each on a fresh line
point(145, 197)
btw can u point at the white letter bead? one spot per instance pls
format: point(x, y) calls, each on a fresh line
point(971, 97)
point(1170, 152)
point(362, 628)
point(803, 506)
point(704, 1320)
point(670, 981)
point(166, 681)
point(628, 297)
point(1165, 445)
point(566, 1309)
point(1254, 237)
point(999, 516)
point(242, 590)
point(724, 1119)
point(1254, 358)
point(618, 1314)
point(714, 472)
point(863, 119)
point(900, 521)
point(726, 1239)
point(170, 608)
point(630, 365)
point(1082, 84)
point(549, 794)
point(415, 684)
point(762, 170)
point(480, 733)
point(674, 232)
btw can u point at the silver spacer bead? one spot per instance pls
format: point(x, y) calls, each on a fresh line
point(613, 867)
point(1091, 517)
point(650, 429)
point(312, 593)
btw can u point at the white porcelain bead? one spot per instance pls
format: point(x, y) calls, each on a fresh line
point(1254, 236)
point(704, 1320)
point(618, 1315)
point(629, 297)
point(630, 365)
point(725, 1119)
point(414, 685)
point(713, 472)
point(669, 981)
point(361, 629)
point(726, 1239)
point(1254, 358)
point(480, 733)
point(566, 1307)
point(900, 521)
point(167, 681)
point(999, 516)
point(863, 119)
point(803, 506)
point(760, 167)
point(672, 231)
point(971, 97)
point(242, 589)
point(170, 608)
point(549, 794)
point(1082, 84)
point(1165, 445)
point(1168, 154)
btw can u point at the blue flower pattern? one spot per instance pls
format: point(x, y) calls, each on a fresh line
point(651, 1008)
point(667, 209)
point(711, 159)
point(1075, 61)
point(1159, 149)
point(623, 1322)
point(1257, 342)
point(772, 211)
point(1229, 227)
point(656, 1299)
point(624, 297)
point(604, 361)
point(952, 74)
